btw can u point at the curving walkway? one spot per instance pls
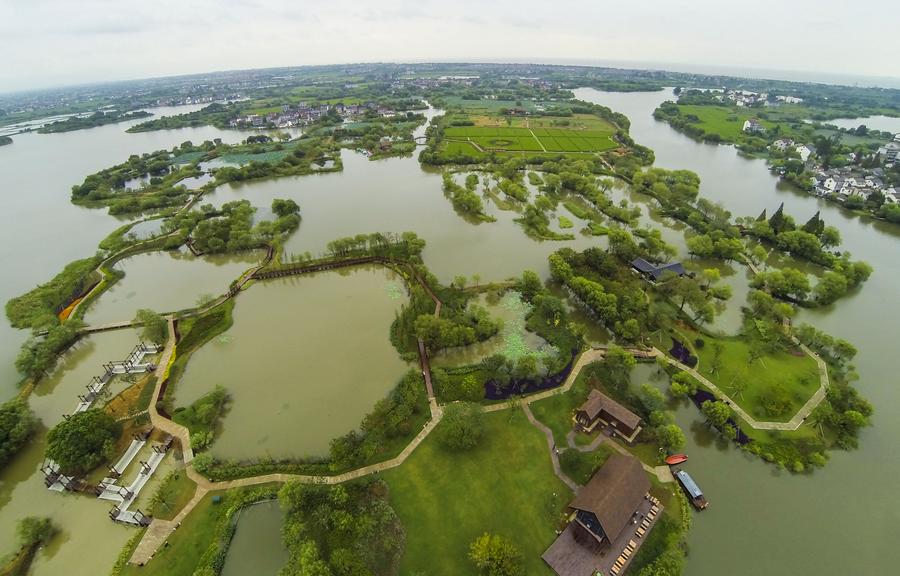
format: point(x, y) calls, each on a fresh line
point(791, 424)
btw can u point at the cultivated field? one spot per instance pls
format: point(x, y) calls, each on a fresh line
point(531, 140)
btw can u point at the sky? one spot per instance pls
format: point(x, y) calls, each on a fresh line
point(46, 43)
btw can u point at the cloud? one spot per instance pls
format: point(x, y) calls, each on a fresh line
point(51, 42)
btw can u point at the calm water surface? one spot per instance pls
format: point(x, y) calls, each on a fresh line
point(306, 359)
point(256, 547)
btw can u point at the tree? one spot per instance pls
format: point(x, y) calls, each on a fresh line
point(716, 363)
point(81, 442)
point(495, 555)
point(830, 237)
point(461, 427)
point(17, 423)
point(283, 208)
point(154, 327)
point(529, 285)
point(831, 286)
point(651, 398)
point(718, 413)
point(670, 437)
point(617, 363)
point(682, 384)
point(33, 530)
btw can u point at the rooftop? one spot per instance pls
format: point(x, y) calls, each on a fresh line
point(613, 493)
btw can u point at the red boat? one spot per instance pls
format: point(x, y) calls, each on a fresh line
point(676, 459)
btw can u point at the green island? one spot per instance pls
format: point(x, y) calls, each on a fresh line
point(438, 324)
point(100, 118)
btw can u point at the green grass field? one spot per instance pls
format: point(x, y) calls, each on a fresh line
point(514, 139)
point(505, 486)
point(798, 374)
point(722, 120)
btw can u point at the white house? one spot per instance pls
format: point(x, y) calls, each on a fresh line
point(782, 144)
point(805, 151)
point(752, 125)
point(891, 150)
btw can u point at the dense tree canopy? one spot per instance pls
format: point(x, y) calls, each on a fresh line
point(83, 441)
point(16, 426)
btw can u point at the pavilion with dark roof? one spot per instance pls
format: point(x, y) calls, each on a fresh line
point(604, 519)
point(654, 272)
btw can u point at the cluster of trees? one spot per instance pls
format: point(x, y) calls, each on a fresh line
point(837, 350)
point(38, 354)
point(17, 424)
point(405, 246)
point(475, 325)
point(716, 244)
point(464, 200)
point(719, 415)
point(216, 114)
point(536, 223)
point(348, 529)
point(811, 242)
point(83, 441)
point(231, 229)
point(202, 417)
point(845, 412)
point(391, 418)
point(38, 307)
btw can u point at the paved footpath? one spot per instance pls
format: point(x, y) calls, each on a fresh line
point(791, 424)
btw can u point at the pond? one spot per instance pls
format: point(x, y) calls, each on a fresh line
point(883, 123)
point(256, 547)
point(306, 359)
point(166, 282)
point(513, 340)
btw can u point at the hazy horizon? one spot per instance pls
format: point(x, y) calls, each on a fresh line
point(56, 43)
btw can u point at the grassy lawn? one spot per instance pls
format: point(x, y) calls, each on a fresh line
point(186, 545)
point(580, 466)
point(174, 493)
point(556, 411)
point(505, 486)
point(725, 121)
point(797, 374)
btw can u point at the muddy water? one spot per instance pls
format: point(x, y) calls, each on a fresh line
point(166, 282)
point(305, 360)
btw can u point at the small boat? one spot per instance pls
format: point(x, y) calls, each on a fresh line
point(691, 489)
point(676, 459)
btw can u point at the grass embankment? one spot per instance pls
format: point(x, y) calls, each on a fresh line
point(505, 485)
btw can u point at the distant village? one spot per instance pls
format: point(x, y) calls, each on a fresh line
point(743, 98)
point(303, 114)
